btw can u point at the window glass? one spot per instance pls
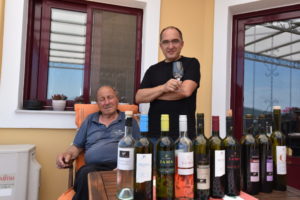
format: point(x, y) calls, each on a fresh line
point(271, 73)
point(272, 67)
point(66, 53)
point(113, 53)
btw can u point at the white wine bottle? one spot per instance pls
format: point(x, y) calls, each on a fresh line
point(143, 163)
point(165, 162)
point(125, 173)
point(279, 151)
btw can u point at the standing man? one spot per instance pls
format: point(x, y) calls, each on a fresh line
point(166, 94)
point(98, 136)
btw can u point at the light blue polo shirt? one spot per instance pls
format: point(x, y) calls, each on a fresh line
point(100, 142)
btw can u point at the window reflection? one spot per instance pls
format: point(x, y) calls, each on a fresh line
point(272, 67)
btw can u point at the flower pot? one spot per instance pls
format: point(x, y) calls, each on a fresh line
point(59, 104)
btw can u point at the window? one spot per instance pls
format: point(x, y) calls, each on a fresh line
point(266, 63)
point(79, 46)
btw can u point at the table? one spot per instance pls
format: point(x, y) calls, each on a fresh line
point(102, 186)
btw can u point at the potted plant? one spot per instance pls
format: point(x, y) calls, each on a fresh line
point(59, 102)
point(79, 100)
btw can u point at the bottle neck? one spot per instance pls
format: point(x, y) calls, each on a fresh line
point(215, 133)
point(164, 127)
point(215, 126)
point(182, 128)
point(200, 126)
point(262, 127)
point(182, 133)
point(164, 133)
point(248, 126)
point(229, 127)
point(277, 120)
point(144, 134)
point(144, 125)
point(128, 126)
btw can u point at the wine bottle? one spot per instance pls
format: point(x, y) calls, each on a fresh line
point(279, 151)
point(265, 159)
point(232, 161)
point(125, 172)
point(249, 158)
point(217, 161)
point(201, 158)
point(165, 162)
point(143, 163)
point(184, 163)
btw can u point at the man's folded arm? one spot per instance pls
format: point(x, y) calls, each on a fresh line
point(185, 90)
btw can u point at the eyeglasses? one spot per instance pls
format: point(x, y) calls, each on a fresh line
point(167, 42)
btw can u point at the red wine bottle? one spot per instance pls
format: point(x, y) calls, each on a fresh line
point(266, 158)
point(249, 158)
point(217, 161)
point(201, 158)
point(232, 161)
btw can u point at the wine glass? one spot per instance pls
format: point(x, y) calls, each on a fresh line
point(177, 70)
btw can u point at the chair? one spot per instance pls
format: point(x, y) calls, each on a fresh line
point(81, 112)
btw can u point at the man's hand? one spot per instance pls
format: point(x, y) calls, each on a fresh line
point(64, 160)
point(185, 90)
point(147, 95)
point(172, 85)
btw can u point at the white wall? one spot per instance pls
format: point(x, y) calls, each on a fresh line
point(13, 64)
point(221, 80)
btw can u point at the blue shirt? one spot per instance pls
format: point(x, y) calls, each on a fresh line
point(100, 142)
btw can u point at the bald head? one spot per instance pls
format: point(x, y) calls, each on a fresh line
point(168, 28)
point(108, 87)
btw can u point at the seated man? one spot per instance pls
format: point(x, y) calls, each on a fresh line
point(98, 136)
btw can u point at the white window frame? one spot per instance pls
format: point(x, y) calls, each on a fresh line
point(221, 76)
point(13, 64)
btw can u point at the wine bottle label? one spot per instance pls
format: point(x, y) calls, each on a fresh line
point(143, 167)
point(166, 162)
point(254, 169)
point(125, 158)
point(189, 171)
point(186, 159)
point(232, 159)
point(219, 163)
point(203, 176)
point(281, 160)
point(185, 162)
point(269, 168)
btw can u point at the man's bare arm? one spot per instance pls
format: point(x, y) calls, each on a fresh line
point(65, 159)
point(185, 90)
point(147, 95)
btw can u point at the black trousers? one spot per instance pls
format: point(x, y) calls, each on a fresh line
point(81, 180)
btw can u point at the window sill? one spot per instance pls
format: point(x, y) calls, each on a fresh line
point(45, 119)
point(65, 112)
